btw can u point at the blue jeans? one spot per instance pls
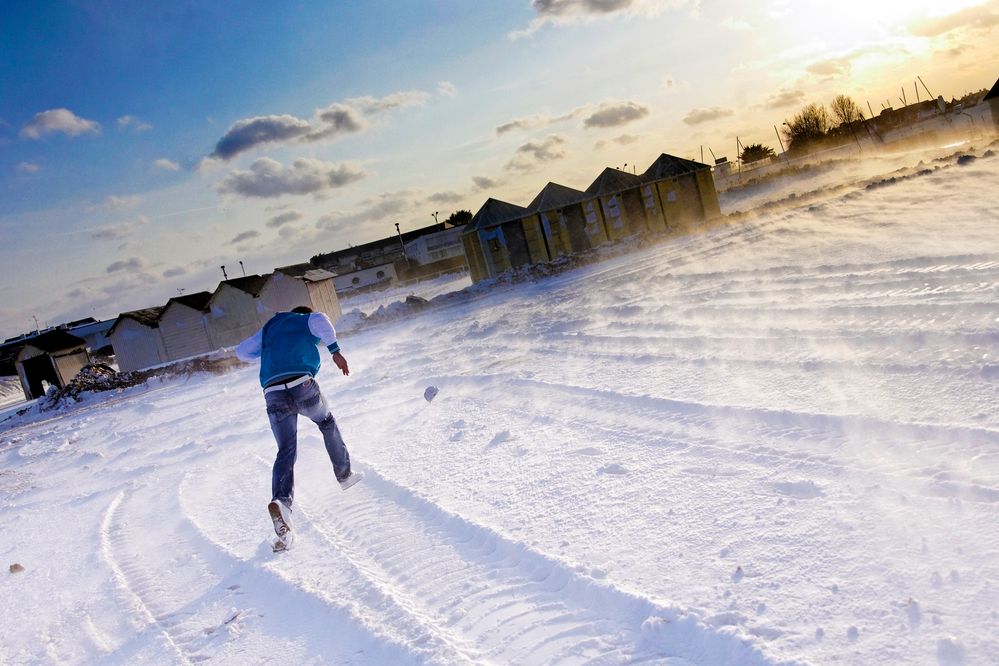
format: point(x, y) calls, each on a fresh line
point(283, 408)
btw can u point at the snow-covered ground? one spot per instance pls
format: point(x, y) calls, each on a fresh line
point(369, 301)
point(773, 442)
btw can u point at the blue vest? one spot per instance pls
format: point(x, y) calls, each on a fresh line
point(288, 348)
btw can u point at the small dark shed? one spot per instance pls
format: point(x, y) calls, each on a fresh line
point(53, 358)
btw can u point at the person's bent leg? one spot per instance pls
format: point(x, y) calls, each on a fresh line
point(284, 424)
point(313, 405)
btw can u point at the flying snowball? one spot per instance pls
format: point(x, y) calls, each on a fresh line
point(430, 393)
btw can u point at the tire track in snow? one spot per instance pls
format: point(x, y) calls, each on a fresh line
point(135, 586)
point(509, 603)
point(753, 432)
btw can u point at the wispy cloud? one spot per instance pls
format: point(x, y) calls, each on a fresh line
point(133, 123)
point(615, 114)
point(131, 264)
point(166, 165)
point(563, 12)
point(622, 140)
point(115, 203)
point(531, 153)
point(448, 197)
point(284, 218)
point(119, 231)
point(485, 182)
point(698, 116)
point(61, 121)
point(843, 65)
point(784, 98)
point(28, 167)
point(535, 121)
point(447, 89)
point(337, 119)
point(244, 236)
point(378, 209)
point(981, 17)
point(269, 178)
point(176, 271)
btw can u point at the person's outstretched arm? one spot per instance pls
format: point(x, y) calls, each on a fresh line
point(321, 327)
point(249, 349)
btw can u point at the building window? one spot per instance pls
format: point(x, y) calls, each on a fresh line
point(494, 245)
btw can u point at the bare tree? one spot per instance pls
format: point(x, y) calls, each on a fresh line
point(845, 110)
point(808, 126)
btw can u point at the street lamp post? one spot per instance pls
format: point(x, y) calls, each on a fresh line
point(401, 244)
point(435, 219)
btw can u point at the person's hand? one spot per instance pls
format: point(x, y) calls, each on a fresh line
point(341, 363)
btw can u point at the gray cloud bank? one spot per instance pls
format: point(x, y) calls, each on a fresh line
point(269, 178)
point(337, 119)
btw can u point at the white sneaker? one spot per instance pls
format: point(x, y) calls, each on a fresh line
point(351, 480)
point(280, 516)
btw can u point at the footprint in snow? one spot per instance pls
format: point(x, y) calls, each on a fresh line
point(798, 489)
point(498, 439)
point(589, 451)
point(614, 469)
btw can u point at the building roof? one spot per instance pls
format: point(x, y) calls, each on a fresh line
point(670, 166)
point(148, 317)
point(251, 284)
point(306, 272)
point(197, 301)
point(55, 341)
point(387, 245)
point(495, 212)
point(554, 196)
point(994, 93)
point(612, 181)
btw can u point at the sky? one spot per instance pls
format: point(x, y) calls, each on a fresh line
point(144, 145)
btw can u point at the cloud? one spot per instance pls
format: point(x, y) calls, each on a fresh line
point(982, 17)
point(269, 178)
point(622, 140)
point(337, 119)
point(63, 121)
point(291, 232)
point(785, 98)
point(379, 209)
point(615, 114)
point(244, 236)
point(176, 271)
point(531, 153)
point(131, 264)
point(399, 100)
point(245, 134)
point(447, 89)
point(563, 12)
point(284, 218)
point(114, 203)
point(445, 197)
point(698, 116)
point(133, 123)
point(166, 165)
point(843, 65)
point(28, 167)
point(120, 230)
point(484, 182)
point(535, 121)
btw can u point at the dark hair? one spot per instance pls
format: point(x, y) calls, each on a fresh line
point(301, 309)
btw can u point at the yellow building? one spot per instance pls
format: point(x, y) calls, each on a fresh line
point(672, 193)
point(682, 191)
point(563, 220)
